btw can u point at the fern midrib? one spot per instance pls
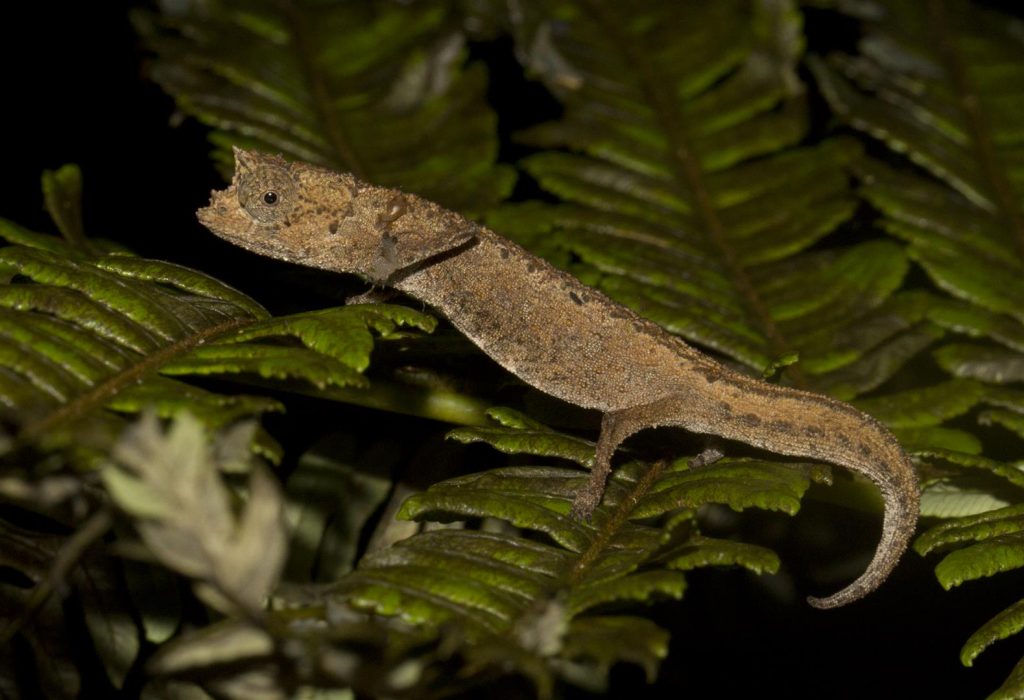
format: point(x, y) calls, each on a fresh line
point(597, 546)
point(689, 177)
point(977, 124)
point(604, 534)
point(105, 390)
point(320, 95)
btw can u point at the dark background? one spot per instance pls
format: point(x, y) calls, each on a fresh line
point(74, 91)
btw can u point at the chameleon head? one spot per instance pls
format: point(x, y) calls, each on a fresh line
point(291, 211)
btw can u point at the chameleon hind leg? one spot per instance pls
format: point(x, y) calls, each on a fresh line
point(616, 426)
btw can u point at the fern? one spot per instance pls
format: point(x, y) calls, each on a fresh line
point(683, 178)
point(938, 82)
point(943, 102)
point(553, 602)
point(90, 336)
point(377, 90)
point(170, 482)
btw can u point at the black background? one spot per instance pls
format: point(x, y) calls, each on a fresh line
point(74, 91)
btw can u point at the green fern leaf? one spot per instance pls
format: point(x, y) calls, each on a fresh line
point(981, 560)
point(996, 523)
point(1007, 472)
point(985, 363)
point(1013, 686)
point(943, 97)
point(382, 92)
point(917, 439)
point(738, 483)
point(633, 639)
point(1011, 420)
point(706, 551)
point(1006, 624)
point(329, 501)
point(491, 586)
point(62, 193)
point(644, 586)
point(924, 407)
point(529, 436)
point(962, 499)
point(982, 545)
point(977, 322)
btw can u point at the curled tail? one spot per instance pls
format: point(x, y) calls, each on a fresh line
point(803, 424)
point(902, 504)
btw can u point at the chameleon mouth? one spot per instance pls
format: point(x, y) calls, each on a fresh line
point(215, 216)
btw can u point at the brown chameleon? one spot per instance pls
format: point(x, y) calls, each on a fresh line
point(553, 332)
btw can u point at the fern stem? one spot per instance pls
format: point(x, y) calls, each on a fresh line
point(978, 124)
point(690, 177)
point(321, 95)
point(102, 392)
point(64, 561)
point(600, 543)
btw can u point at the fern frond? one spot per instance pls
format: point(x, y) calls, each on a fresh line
point(938, 82)
point(686, 196)
point(635, 549)
point(382, 91)
point(979, 546)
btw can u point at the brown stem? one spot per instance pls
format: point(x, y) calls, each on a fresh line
point(66, 559)
point(619, 517)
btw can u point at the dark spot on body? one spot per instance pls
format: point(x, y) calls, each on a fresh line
point(503, 251)
point(575, 297)
point(333, 227)
point(749, 419)
point(531, 267)
point(782, 425)
point(864, 449)
point(813, 431)
point(726, 408)
point(711, 374)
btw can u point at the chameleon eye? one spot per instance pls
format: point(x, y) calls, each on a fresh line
point(267, 193)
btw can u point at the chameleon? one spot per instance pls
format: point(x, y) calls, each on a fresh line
point(555, 333)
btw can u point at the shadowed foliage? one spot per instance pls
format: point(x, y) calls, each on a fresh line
point(689, 175)
point(940, 82)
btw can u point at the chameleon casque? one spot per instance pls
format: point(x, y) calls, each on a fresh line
point(553, 332)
